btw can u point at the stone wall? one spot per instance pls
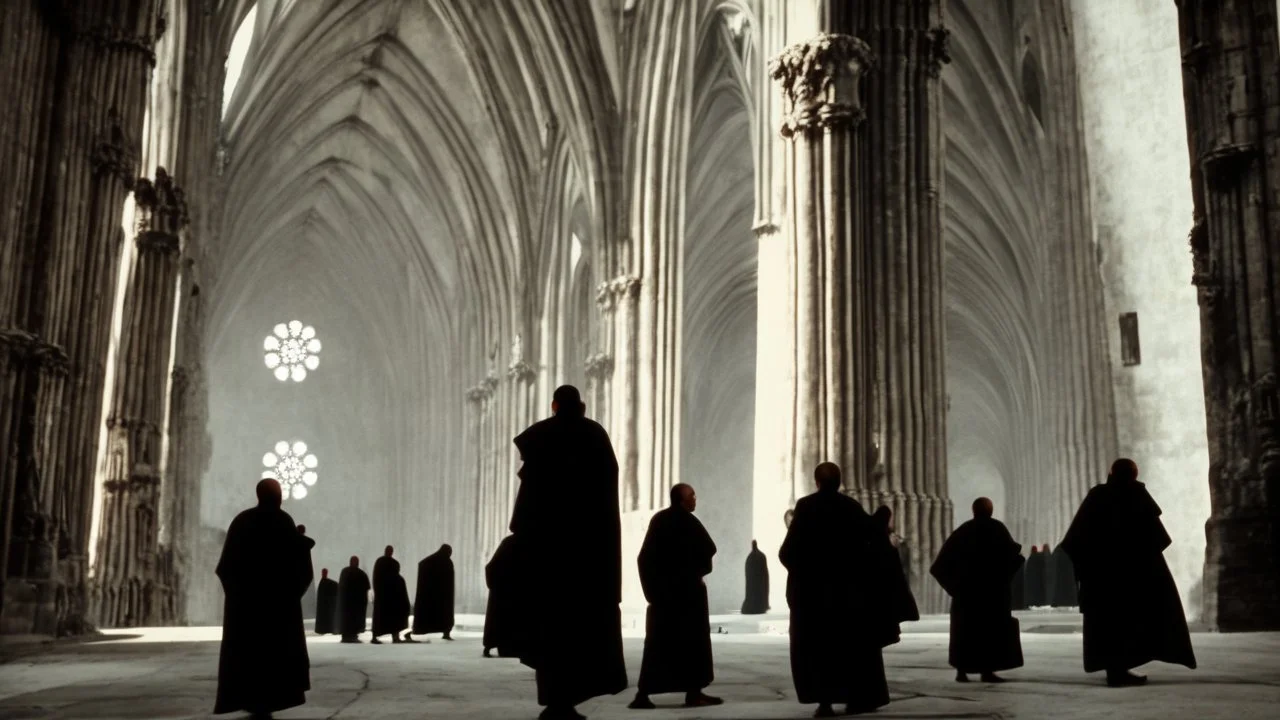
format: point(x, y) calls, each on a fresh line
point(1131, 87)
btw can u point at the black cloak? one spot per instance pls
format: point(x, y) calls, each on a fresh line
point(675, 556)
point(265, 568)
point(568, 534)
point(390, 598)
point(353, 601)
point(499, 612)
point(756, 601)
point(835, 588)
point(433, 604)
point(1132, 612)
point(976, 566)
point(326, 607)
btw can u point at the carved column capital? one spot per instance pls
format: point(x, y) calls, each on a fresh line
point(478, 394)
point(819, 80)
point(625, 286)
point(161, 212)
point(937, 49)
point(599, 365)
point(521, 371)
point(111, 153)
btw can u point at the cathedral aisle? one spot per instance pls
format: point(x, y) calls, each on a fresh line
point(171, 673)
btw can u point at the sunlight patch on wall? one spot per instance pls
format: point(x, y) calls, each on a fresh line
point(236, 56)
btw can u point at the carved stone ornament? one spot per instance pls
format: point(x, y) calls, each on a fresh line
point(625, 286)
point(937, 49)
point(478, 393)
point(111, 154)
point(162, 207)
point(819, 80)
point(599, 365)
point(50, 359)
point(18, 343)
point(1266, 420)
point(521, 371)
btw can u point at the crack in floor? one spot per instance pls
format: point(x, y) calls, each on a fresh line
point(364, 687)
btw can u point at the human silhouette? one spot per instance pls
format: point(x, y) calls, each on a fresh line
point(900, 602)
point(976, 566)
point(675, 556)
point(1034, 586)
point(433, 602)
point(1132, 612)
point(265, 568)
point(353, 601)
point(500, 613)
point(390, 599)
point(756, 601)
point(308, 597)
point(838, 625)
point(1018, 588)
point(568, 534)
point(326, 604)
point(1062, 580)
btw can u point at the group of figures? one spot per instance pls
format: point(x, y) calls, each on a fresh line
point(561, 567)
point(342, 606)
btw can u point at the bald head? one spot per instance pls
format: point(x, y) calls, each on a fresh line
point(827, 476)
point(1124, 470)
point(269, 493)
point(566, 401)
point(683, 496)
point(983, 508)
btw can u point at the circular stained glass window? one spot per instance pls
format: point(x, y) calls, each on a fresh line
point(293, 467)
point(292, 350)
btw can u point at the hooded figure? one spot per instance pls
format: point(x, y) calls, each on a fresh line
point(757, 572)
point(433, 604)
point(390, 599)
point(353, 601)
point(500, 611)
point(326, 604)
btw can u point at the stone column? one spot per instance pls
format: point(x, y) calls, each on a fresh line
point(127, 588)
point(1230, 56)
point(621, 296)
point(104, 55)
point(829, 418)
point(899, 184)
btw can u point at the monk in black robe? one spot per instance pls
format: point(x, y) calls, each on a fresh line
point(265, 568)
point(1132, 612)
point(499, 611)
point(1018, 588)
point(326, 604)
point(353, 601)
point(900, 601)
point(1064, 580)
point(1034, 585)
point(433, 604)
point(675, 556)
point(757, 572)
point(838, 621)
point(976, 566)
point(390, 599)
point(568, 532)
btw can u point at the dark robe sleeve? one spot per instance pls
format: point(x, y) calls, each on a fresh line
point(1080, 542)
point(650, 558)
point(949, 567)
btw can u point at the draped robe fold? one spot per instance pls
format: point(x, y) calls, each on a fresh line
point(265, 569)
point(976, 567)
point(675, 556)
point(499, 611)
point(326, 607)
point(353, 601)
point(390, 598)
point(1132, 612)
point(568, 534)
point(433, 602)
point(835, 587)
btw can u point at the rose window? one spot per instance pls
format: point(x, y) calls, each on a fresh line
point(291, 350)
point(293, 467)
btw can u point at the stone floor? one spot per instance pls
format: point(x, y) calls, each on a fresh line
point(171, 673)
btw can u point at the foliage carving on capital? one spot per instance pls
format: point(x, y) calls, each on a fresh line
point(819, 80)
point(626, 286)
point(521, 371)
point(937, 49)
point(599, 365)
point(111, 155)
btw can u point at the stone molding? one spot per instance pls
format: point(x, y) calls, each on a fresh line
point(819, 80)
point(161, 212)
point(937, 49)
point(608, 292)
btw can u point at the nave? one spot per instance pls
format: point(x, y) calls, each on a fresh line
point(171, 673)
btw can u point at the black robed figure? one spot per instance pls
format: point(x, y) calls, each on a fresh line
point(353, 601)
point(568, 534)
point(756, 601)
point(390, 599)
point(1034, 579)
point(675, 556)
point(433, 603)
point(265, 568)
point(326, 604)
point(901, 603)
point(976, 566)
point(500, 610)
point(835, 583)
point(1132, 612)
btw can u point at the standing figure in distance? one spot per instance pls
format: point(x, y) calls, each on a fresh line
point(433, 603)
point(901, 603)
point(499, 611)
point(757, 571)
point(1132, 612)
point(834, 587)
point(1035, 587)
point(568, 532)
point(390, 599)
point(675, 556)
point(976, 566)
point(353, 601)
point(1064, 580)
point(326, 604)
point(265, 568)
